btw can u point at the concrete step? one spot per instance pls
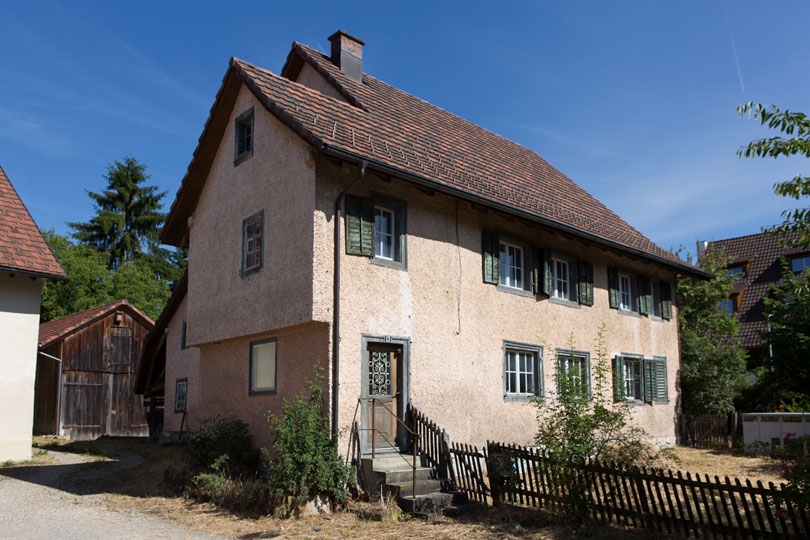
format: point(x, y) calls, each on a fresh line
point(400, 476)
point(392, 461)
point(422, 504)
point(406, 489)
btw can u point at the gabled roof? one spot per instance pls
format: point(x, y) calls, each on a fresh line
point(22, 247)
point(59, 329)
point(401, 135)
point(761, 255)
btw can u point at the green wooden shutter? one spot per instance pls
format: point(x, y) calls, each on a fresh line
point(585, 283)
point(537, 269)
point(648, 373)
point(491, 251)
point(661, 388)
point(548, 276)
point(618, 387)
point(613, 287)
point(666, 301)
point(644, 295)
point(359, 226)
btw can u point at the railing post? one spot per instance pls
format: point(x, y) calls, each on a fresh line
point(373, 427)
point(415, 451)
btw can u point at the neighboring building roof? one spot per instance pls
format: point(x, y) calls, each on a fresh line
point(22, 247)
point(405, 136)
point(153, 363)
point(59, 329)
point(761, 256)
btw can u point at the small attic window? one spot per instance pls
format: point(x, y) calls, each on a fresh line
point(243, 137)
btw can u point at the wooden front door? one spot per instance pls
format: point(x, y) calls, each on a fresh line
point(383, 384)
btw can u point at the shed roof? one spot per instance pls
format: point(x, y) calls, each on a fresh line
point(22, 247)
point(405, 136)
point(58, 329)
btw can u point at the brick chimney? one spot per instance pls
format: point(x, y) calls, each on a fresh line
point(347, 54)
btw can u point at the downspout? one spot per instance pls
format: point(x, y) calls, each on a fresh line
point(58, 391)
point(336, 300)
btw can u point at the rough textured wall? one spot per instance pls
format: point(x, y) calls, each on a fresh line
point(224, 375)
point(19, 329)
point(180, 364)
point(457, 323)
point(279, 180)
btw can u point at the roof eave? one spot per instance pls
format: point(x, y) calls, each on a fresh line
point(456, 192)
point(34, 273)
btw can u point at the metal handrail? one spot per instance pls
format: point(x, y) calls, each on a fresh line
point(414, 435)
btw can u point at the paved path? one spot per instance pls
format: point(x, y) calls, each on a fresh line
point(40, 502)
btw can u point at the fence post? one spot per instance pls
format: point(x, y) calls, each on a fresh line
point(494, 476)
point(445, 470)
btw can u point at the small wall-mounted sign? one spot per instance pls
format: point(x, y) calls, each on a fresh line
point(388, 339)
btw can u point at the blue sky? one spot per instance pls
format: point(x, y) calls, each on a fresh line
point(635, 101)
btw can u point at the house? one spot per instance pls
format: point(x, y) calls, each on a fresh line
point(169, 377)
point(419, 259)
point(86, 372)
point(25, 262)
point(756, 260)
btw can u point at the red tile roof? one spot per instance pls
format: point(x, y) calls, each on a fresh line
point(22, 247)
point(406, 136)
point(763, 256)
point(58, 329)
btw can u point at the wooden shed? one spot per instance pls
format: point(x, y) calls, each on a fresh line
point(86, 369)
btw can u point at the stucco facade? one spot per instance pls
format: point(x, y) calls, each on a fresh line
point(19, 328)
point(181, 363)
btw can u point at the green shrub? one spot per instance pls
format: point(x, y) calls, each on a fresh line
point(248, 495)
point(796, 470)
point(223, 443)
point(303, 462)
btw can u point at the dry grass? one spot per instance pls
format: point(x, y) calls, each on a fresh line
point(136, 473)
point(731, 463)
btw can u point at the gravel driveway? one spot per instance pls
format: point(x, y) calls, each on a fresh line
point(46, 501)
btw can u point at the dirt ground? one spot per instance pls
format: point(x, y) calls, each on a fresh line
point(140, 486)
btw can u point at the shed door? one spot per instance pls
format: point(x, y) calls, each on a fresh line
point(120, 357)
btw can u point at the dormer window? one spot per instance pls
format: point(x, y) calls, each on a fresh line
point(736, 271)
point(243, 134)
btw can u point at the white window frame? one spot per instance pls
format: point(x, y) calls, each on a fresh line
point(256, 254)
point(565, 358)
point(506, 278)
point(630, 365)
point(561, 278)
point(532, 371)
point(625, 293)
point(385, 238)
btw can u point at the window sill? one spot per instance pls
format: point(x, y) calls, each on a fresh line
point(629, 313)
point(563, 302)
point(254, 270)
point(389, 263)
point(513, 290)
point(521, 398)
point(241, 158)
point(261, 392)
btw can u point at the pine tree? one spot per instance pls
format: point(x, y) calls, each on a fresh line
point(127, 216)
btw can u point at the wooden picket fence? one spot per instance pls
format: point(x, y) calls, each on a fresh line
point(470, 468)
point(650, 498)
point(706, 431)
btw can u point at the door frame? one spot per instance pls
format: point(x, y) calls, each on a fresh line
point(404, 398)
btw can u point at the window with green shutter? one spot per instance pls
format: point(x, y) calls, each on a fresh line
point(491, 251)
point(628, 379)
point(613, 287)
point(585, 283)
point(666, 301)
point(644, 296)
point(359, 226)
point(661, 386)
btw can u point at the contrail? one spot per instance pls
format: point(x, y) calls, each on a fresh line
point(736, 58)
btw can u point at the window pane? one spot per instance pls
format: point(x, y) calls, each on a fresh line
point(799, 264)
point(263, 366)
point(384, 233)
